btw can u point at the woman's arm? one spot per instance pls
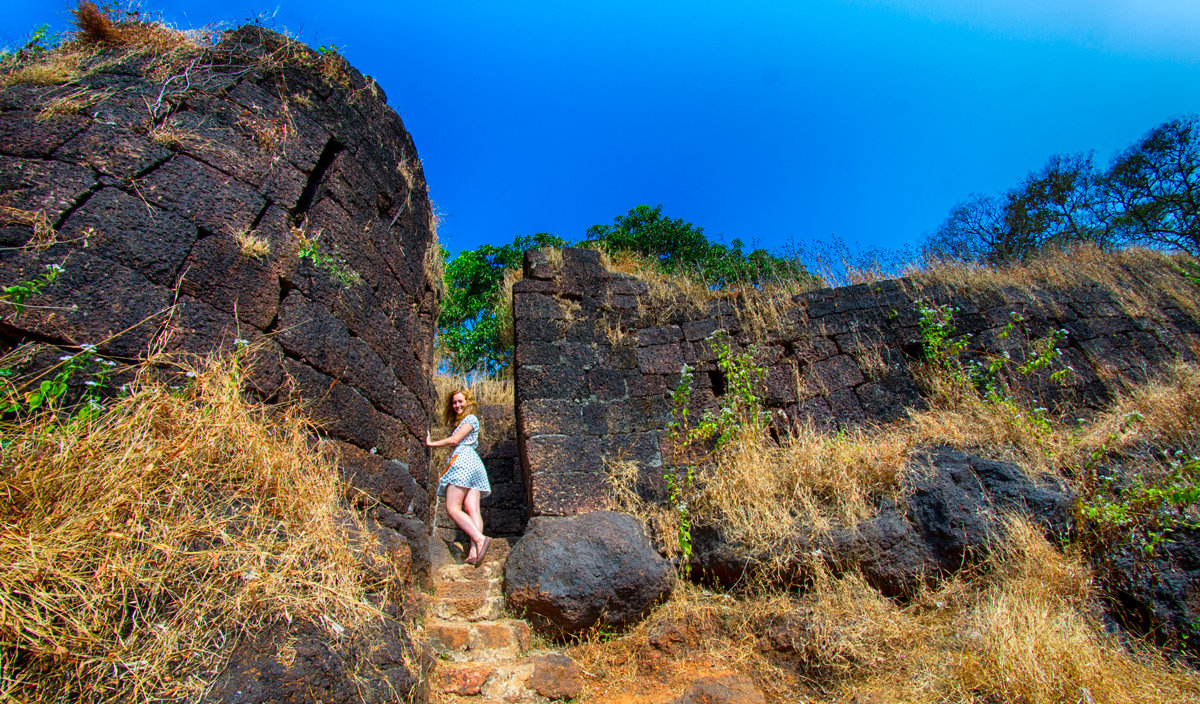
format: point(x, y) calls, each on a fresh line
point(460, 434)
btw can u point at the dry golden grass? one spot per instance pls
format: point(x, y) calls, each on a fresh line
point(760, 492)
point(487, 391)
point(100, 37)
point(251, 244)
point(1022, 628)
point(44, 234)
point(270, 133)
point(54, 68)
point(97, 29)
point(139, 546)
point(72, 102)
point(1139, 280)
point(1169, 410)
point(761, 310)
point(171, 137)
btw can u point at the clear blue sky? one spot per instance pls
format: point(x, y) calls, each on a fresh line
point(774, 122)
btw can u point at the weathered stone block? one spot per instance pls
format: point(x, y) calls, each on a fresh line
point(559, 382)
point(659, 359)
point(607, 384)
point(837, 373)
point(663, 335)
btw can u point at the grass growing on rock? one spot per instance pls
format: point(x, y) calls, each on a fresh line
point(1020, 628)
point(140, 545)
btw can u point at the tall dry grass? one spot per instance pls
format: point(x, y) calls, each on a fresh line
point(1139, 280)
point(1021, 628)
point(99, 37)
point(762, 492)
point(759, 308)
point(138, 547)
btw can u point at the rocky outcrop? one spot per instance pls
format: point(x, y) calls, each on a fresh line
point(299, 663)
point(950, 512)
point(249, 193)
point(569, 574)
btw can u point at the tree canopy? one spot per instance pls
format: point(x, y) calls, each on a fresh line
point(1149, 195)
point(679, 247)
point(470, 324)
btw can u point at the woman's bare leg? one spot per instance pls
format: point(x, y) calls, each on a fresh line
point(455, 496)
point(471, 506)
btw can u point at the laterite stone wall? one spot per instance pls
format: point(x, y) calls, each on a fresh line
point(597, 357)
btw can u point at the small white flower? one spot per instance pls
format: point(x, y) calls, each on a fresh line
point(189, 374)
point(87, 347)
point(108, 363)
point(66, 358)
point(374, 450)
point(89, 382)
point(241, 342)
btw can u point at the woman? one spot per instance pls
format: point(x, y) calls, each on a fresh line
point(465, 480)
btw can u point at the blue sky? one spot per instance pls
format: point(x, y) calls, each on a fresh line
point(780, 123)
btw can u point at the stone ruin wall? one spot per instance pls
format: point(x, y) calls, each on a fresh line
point(596, 359)
point(147, 188)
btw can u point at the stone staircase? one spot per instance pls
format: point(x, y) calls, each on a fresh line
point(483, 654)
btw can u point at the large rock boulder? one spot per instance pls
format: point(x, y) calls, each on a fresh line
point(951, 511)
point(253, 190)
point(571, 573)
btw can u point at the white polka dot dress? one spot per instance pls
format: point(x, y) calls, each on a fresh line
point(467, 469)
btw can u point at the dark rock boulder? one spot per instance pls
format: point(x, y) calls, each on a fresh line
point(952, 509)
point(301, 663)
point(568, 574)
point(953, 513)
point(1157, 596)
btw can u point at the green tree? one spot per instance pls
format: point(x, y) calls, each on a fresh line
point(471, 320)
point(679, 247)
point(1063, 203)
point(1156, 185)
point(1149, 196)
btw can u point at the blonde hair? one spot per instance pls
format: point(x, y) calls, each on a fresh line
point(453, 419)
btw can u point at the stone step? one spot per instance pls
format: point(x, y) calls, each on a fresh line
point(468, 589)
point(502, 681)
point(479, 640)
point(490, 569)
point(533, 678)
point(478, 608)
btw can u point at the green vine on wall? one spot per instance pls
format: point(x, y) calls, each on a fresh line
point(987, 373)
point(695, 442)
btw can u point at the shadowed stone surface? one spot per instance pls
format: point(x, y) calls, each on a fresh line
point(1157, 594)
point(568, 574)
point(179, 209)
point(722, 689)
point(299, 663)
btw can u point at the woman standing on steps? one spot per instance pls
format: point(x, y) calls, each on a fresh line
point(464, 482)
